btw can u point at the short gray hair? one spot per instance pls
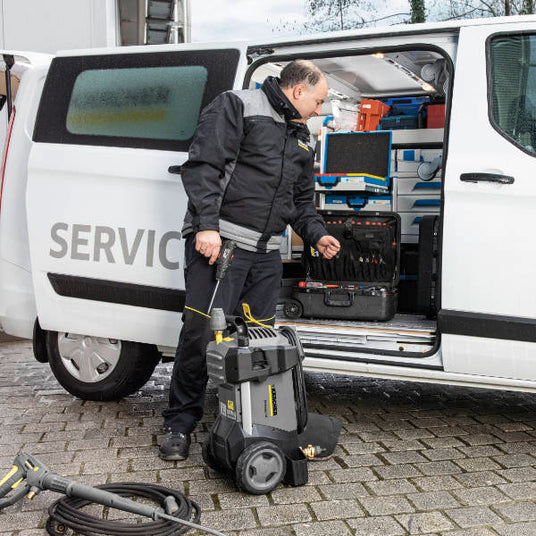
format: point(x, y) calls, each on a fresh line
point(300, 72)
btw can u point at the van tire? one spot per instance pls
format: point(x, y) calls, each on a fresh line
point(126, 365)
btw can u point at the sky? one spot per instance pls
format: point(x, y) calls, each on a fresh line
point(260, 20)
point(234, 20)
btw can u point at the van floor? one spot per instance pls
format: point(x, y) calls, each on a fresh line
point(404, 333)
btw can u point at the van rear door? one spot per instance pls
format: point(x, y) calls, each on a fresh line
point(488, 315)
point(105, 201)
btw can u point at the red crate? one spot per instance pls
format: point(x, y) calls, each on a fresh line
point(436, 116)
point(370, 113)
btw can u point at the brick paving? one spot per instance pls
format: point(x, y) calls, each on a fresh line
point(412, 458)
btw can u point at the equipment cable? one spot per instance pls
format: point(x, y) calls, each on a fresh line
point(66, 513)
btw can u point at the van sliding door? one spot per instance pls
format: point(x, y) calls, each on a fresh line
point(488, 316)
point(105, 206)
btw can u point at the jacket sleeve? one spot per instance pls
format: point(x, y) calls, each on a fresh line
point(307, 223)
point(216, 143)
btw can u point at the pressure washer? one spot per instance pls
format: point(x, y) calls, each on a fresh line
point(263, 433)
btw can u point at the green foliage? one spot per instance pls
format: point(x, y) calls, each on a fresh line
point(418, 11)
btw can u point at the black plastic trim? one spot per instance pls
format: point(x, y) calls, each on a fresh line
point(50, 125)
point(85, 288)
point(509, 328)
point(319, 346)
point(269, 48)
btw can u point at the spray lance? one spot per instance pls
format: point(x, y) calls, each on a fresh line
point(29, 476)
point(223, 263)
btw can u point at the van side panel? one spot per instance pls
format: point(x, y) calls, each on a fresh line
point(113, 216)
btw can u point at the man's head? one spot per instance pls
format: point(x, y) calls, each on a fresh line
point(305, 87)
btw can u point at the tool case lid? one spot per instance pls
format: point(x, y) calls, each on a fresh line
point(370, 249)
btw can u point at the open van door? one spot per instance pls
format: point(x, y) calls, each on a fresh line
point(105, 202)
point(488, 314)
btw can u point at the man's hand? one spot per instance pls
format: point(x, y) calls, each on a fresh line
point(208, 243)
point(329, 246)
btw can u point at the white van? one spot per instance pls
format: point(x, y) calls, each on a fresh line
point(92, 203)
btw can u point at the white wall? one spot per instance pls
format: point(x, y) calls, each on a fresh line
point(51, 25)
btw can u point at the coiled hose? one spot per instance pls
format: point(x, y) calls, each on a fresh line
point(66, 513)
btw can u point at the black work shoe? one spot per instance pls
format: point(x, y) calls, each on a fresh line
point(175, 446)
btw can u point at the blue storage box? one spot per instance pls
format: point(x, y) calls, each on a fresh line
point(406, 105)
point(397, 122)
point(355, 202)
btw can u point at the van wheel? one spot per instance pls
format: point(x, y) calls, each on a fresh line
point(96, 368)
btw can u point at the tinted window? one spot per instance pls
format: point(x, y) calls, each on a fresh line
point(150, 100)
point(157, 102)
point(513, 88)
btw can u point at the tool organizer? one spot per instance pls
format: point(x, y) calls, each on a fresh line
point(361, 282)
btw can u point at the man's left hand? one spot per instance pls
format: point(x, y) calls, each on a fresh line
point(329, 246)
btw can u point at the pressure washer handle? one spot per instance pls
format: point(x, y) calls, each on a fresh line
point(224, 259)
point(23, 464)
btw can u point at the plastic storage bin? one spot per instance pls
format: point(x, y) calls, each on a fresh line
point(370, 113)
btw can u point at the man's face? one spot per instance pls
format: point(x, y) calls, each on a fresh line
point(308, 100)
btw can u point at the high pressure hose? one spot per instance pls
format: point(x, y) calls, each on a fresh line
point(66, 513)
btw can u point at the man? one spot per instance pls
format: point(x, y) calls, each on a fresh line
point(249, 174)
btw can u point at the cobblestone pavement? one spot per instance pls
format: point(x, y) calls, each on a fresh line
point(412, 458)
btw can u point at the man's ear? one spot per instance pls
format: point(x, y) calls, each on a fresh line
point(298, 90)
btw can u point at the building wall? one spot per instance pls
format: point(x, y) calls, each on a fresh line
point(51, 25)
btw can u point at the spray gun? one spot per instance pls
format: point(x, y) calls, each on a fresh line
point(29, 476)
point(218, 323)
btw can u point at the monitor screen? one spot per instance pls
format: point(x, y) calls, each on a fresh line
point(358, 152)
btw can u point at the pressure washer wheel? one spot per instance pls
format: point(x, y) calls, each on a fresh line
point(260, 468)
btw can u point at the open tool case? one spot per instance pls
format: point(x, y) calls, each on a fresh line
point(361, 282)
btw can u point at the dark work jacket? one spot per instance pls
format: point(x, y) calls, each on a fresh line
point(250, 170)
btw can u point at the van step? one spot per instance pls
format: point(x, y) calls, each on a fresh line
point(404, 333)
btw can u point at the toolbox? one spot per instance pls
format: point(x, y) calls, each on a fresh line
point(361, 282)
point(355, 161)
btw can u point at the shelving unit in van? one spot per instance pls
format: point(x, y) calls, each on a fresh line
point(413, 199)
point(413, 196)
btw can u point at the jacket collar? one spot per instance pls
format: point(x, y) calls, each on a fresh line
point(278, 99)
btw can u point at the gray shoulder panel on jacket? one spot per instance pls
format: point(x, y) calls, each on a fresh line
point(256, 103)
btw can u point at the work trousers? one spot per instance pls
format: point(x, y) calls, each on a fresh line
point(253, 278)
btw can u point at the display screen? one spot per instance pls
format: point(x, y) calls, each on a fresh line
point(358, 152)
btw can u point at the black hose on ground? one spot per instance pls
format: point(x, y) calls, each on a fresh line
point(66, 513)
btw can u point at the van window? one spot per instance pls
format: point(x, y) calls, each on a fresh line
point(144, 100)
point(512, 68)
point(157, 102)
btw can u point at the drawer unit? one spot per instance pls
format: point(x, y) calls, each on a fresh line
point(355, 202)
point(416, 186)
point(409, 160)
point(417, 203)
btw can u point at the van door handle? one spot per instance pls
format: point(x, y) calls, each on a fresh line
point(486, 177)
point(176, 170)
